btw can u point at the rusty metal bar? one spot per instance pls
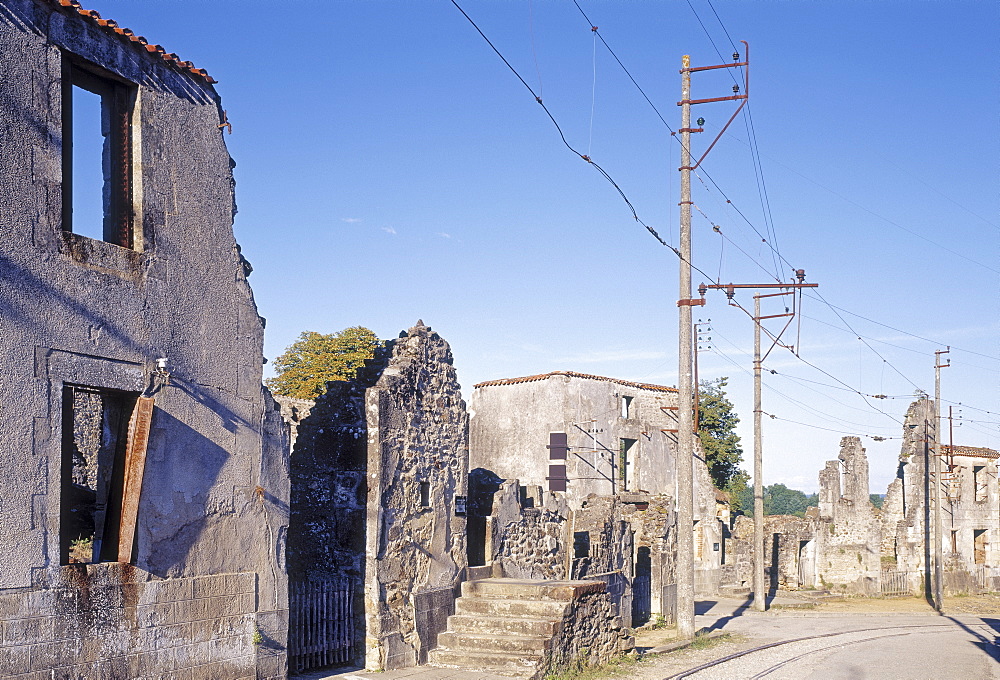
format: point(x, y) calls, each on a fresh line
point(723, 286)
point(694, 69)
point(735, 97)
point(135, 465)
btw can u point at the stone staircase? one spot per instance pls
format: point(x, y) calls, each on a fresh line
point(507, 626)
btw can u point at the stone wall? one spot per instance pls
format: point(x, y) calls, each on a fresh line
point(970, 500)
point(377, 466)
point(103, 622)
point(417, 469)
point(81, 314)
point(591, 634)
point(527, 537)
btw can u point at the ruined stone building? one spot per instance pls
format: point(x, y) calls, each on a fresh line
point(144, 493)
point(837, 544)
point(850, 546)
point(573, 476)
point(379, 470)
point(970, 508)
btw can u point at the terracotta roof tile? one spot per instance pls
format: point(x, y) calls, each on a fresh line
point(111, 26)
point(971, 451)
point(572, 374)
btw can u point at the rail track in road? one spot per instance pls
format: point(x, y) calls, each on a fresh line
point(875, 634)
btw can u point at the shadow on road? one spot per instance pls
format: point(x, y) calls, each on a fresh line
point(990, 647)
point(721, 622)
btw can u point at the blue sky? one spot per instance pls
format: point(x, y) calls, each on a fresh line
point(390, 167)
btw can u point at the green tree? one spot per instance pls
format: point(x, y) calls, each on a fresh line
point(717, 422)
point(780, 500)
point(316, 358)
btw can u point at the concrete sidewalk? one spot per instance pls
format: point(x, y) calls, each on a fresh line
point(419, 673)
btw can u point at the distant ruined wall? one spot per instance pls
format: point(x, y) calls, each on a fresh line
point(850, 540)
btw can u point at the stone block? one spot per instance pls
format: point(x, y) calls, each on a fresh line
point(11, 605)
point(15, 659)
point(27, 631)
point(244, 582)
point(210, 586)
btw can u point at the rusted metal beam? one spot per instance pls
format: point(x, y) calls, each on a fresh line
point(135, 465)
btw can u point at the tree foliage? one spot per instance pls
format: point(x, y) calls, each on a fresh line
point(717, 422)
point(780, 500)
point(316, 358)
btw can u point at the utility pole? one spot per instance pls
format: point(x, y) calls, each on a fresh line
point(759, 589)
point(685, 401)
point(759, 552)
point(938, 552)
point(685, 430)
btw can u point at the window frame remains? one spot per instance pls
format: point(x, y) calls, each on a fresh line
point(117, 105)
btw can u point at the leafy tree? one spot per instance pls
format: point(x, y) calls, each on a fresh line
point(316, 358)
point(780, 500)
point(717, 422)
point(877, 499)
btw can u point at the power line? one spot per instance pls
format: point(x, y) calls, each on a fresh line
point(798, 402)
point(562, 136)
point(602, 171)
point(817, 427)
point(913, 335)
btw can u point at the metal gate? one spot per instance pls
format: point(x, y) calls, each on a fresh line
point(320, 624)
point(641, 588)
point(895, 583)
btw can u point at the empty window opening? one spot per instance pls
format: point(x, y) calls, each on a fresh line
point(954, 541)
point(979, 481)
point(581, 544)
point(626, 456)
point(979, 545)
point(95, 433)
point(626, 407)
point(425, 494)
point(97, 157)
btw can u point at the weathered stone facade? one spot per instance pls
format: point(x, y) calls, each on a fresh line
point(379, 470)
point(608, 426)
point(144, 507)
point(970, 509)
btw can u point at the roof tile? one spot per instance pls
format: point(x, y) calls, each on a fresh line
point(112, 27)
point(573, 374)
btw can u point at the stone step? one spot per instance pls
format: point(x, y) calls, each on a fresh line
point(495, 625)
point(522, 589)
point(502, 608)
point(507, 664)
point(528, 645)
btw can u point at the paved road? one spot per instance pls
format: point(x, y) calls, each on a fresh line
point(853, 647)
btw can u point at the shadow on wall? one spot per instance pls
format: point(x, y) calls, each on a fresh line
point(187, 521)
point(483, 484)
point(24, 291)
